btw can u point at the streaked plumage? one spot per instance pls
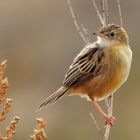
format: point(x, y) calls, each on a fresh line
point(100, 68)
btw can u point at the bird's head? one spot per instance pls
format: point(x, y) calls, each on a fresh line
point(112, 34)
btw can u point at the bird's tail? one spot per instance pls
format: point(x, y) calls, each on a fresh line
point(52, 98)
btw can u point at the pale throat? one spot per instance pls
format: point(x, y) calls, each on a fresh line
point(103, 42)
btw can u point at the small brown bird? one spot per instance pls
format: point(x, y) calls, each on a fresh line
point(99, 69)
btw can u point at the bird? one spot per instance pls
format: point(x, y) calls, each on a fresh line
point(99, 69)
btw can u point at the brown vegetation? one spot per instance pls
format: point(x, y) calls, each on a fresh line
point(5, 103)
point(39, 133)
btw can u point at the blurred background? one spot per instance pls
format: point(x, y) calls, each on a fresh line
point(39, 40)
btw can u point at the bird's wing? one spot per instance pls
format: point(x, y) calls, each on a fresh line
point(88, 64)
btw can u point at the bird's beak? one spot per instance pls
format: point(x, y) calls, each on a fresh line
point(98, 34)
point(95, 33)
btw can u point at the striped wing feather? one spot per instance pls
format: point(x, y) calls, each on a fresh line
point(88, 64)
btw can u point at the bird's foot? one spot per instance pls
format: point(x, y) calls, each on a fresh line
point(109, 119)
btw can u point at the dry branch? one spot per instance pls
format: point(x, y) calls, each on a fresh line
point(97, 126)
point(103, 7)
point(98, 13)
point(76, 23)
point(120, 12)
point(109, 103)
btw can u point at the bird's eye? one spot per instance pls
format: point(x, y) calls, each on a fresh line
point(112, 34)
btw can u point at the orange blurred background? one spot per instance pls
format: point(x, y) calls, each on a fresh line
point(39, 40)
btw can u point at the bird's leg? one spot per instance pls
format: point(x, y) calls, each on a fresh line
point(109, 119)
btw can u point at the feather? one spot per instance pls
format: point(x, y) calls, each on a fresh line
point(86, 65)
point(52, 98)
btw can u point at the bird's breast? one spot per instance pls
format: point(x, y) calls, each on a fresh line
point(117, 73)
point(118, 63)
point(124, 56)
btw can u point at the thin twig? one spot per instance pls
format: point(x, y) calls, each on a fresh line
point(120, 12)
point(75, 22)
point(103, 11)
point(85, 32)
point(109, 104)
point(97, 126)
point(98, 13)
point(107, 13)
